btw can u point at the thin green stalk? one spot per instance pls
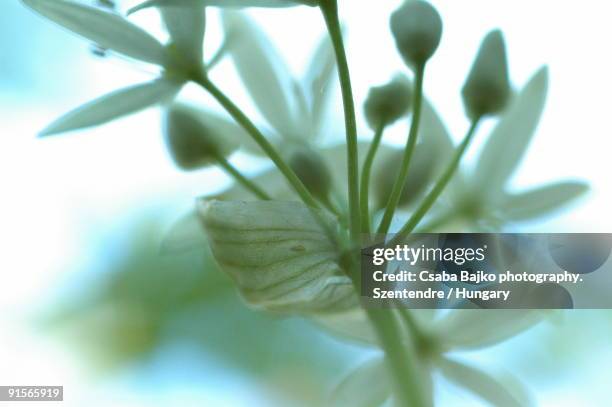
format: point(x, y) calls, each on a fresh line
point(329, 8)
point(365, 180)
point(241, 179)
point(438, 188)
point(401, 358)
point(259, 138)
point(400, 180)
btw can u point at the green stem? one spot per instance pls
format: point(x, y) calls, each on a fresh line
point(329, 8)
point(241, 179)
point(438, 188)
point(401, 358)
point(259, 138)
point(365, 180)
point(400, 180)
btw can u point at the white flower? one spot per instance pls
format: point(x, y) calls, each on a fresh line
point(113, 32)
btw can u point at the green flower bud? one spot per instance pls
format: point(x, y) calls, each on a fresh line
point(191, 142)
point(417, 28)
point(487, 88)
point(420, 172)
point(388, 103)
point(312, 170)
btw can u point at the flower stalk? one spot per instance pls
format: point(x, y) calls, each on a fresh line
point(259, 138)
point(329, 8)
point(439, 186)
point(365, 180)
point(400, 180)
point(241, 179)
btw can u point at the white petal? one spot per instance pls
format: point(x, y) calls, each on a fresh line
point(113, 106)
point(509, 140)
point(320, 78)
point(278, 256)
point(222, 3)
point(262, 71)
point(479, 328)
point(351, 391)
point(106, 29)
point(483, 385)
point(186, 28)
point(541, 200)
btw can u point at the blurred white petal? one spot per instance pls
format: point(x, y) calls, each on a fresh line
point(114, 105)
point(485, 386)
point(262, 71)
point(479, 328)
point(106, 29)
point(186, 27)
point(222, 3)
point(509, 140)
point(542, 200)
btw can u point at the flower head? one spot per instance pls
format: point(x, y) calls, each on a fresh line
point(115, 33)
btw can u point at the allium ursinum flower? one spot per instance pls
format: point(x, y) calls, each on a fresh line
point(224, 3)
point(483, 198)
point(417, 29)
point(115, 33)
point(440, 338)
point(388, 103)
point(487, 88)
point(192, 142)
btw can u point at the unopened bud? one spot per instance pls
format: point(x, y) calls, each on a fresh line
point(388, 103)
point(417, 28)
point(487, 88)
point(312, 170)
point(191, 142)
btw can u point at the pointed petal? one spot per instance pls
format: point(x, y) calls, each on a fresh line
point(106, 29)
point(542, 200)
point(262, 71)
point(371, 375)
point(186, 27)
point(479, 328)
point(509, 140)
point(222, 3)
point(113, 106)
point(485, 386)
